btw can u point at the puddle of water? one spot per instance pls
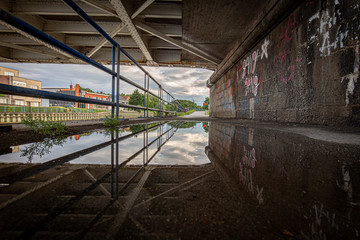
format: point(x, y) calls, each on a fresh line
point(301, 187)
point(185, 148)
point(260, 184)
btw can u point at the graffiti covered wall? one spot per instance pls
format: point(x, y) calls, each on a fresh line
point(306, 70)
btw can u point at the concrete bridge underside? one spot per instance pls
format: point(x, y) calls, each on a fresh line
point(170, 33)
point(283, 61)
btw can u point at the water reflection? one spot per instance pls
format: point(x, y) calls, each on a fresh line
point(42, 148)
point(154, 181)
point(302, 187)
point(41, 152)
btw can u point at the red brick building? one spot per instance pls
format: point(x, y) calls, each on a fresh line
point(84, 93)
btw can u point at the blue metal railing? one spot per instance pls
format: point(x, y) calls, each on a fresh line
point(116, 77)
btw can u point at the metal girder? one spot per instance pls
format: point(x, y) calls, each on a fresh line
point(15, 38)
point(157, 43)
point(31, 50)
point(120, 27)
point(92, 40)
point(125, 18)
point(100, 44)
point(124, 41)
point(100, 7)
point(104, 53)
point(35, 39)
point(160, 55)
point(146, 4)
point(53, 7)
point(167, 56)
point(79, 27)
point(163, 10)
point(4, 59)
point(171, 30)
point(176, 43)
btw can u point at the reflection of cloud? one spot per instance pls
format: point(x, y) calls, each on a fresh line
point(182, 83)
point(186, 147)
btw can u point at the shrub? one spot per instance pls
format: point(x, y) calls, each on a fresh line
point(111, 121)
point(43, 127)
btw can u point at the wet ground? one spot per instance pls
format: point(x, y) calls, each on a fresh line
point(184, 180)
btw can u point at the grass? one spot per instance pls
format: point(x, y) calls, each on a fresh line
point(183, 114)
point(42, 127)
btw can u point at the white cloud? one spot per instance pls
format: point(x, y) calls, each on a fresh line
point(182, 83)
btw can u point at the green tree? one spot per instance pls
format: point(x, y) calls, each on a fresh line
point(88, 90)
point(187, 104)
point(206, 104)
point(136, 98)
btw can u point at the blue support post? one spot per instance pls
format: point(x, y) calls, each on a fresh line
point(147, 96)
point(113, 83)
point(145, 92)
point(118, 81)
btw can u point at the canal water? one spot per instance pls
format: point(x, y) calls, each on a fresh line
point(188, 180)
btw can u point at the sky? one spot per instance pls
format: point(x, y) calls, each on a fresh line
point(182, 83)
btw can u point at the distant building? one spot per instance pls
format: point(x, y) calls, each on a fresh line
point(77, 91)
point(59, 103)
point(11, 77)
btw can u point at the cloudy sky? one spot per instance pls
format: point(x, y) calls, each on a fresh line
point(182, 83)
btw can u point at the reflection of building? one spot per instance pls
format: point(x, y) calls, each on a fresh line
point(14, 148)
point(11, 77)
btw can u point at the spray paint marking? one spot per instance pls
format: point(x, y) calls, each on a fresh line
point(284, 69)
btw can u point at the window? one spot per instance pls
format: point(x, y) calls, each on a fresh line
point(35, 104)
point(33, 87)
point(4, 100)
point(18, 83)
point(22, 103)
point(9, 74)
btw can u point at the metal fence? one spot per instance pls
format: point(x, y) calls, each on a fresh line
point(27, 30)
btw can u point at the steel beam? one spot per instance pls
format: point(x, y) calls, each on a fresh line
point(80, 27)
point(53, 7)
point(101, 7)
point(92, 40)
point(29, 31)
point(119, 28)
point(125, 18)
point(146, 4)
point(31, 50)
point(176, 43)
point(163, 10)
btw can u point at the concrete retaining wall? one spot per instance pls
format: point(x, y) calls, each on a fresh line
point(6, 118)
point(306, 70)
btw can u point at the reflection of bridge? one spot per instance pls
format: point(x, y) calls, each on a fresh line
point(87, 196)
